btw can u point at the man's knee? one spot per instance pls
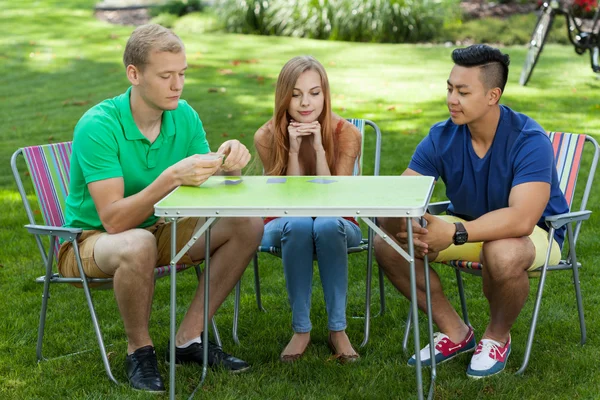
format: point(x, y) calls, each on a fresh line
point(251, 228)
point(134, 249)
point(507, 258)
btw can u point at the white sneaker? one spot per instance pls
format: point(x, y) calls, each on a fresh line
point(489, 359)
point(445, 349)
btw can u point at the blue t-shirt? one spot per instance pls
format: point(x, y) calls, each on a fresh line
point(521, 152)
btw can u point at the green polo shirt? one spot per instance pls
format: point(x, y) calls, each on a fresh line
point(108, 144)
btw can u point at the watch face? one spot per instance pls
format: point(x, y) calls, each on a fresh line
point(461, 237)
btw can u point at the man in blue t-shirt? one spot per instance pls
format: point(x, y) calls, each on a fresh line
point(128, 153)
point(501, 180)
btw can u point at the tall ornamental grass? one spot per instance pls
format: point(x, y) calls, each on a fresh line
point(384, 21)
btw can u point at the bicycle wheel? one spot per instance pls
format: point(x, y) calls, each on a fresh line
point(538, 38)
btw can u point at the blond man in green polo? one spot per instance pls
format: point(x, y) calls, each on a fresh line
point(128, 153)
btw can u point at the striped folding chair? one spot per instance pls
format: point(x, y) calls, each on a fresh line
point(363, 246)
point(568, 151)
point(48, 167)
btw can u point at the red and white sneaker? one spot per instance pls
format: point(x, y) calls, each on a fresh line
point(445, 349)
point(489, 359)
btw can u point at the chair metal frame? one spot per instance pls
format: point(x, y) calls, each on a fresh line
point(365, 245)
point(53, 229)
point(553, 222)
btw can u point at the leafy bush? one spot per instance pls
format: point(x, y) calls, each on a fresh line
point(177, 7)
point(165, 19)
point(515, 30)
point(392, 21)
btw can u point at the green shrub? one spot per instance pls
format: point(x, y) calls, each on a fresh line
point(515, 30)
point(391, 21)
point(165, 19)
point(177, 7)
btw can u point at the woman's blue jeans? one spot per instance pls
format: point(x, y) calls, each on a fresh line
point(301, 239)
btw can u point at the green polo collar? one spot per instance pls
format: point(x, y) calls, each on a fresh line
point(131, 131)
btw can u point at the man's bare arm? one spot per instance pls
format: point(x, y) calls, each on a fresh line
point(526, 205)
point(118, 213)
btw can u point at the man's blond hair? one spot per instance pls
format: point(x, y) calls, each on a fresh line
point(148, 38)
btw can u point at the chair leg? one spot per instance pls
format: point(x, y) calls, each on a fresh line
point(257, 284)
point(88, 297)
point(44, 309)
point(407, 330)
point(579, 302)
point(368, 281)
point(236, 312)
point(573, 259)
point(215, 332)
point(536, 309)
point(461, 294)
point(381, 292)
point(214, 328)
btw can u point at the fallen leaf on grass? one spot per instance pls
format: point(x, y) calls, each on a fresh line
point(72, 102)
point(225, 72)
point(238, 62)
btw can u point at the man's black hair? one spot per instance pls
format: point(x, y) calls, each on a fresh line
point(492, 62)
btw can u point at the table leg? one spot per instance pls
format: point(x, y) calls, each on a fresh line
point(205, 332)
point(414, 308)
point(430, 326)
point(413, 292)
point(172, 309)
point(175, 257)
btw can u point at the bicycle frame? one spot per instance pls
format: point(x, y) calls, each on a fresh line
point(581, 39)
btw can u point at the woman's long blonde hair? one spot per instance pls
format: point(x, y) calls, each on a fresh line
point(280, 142)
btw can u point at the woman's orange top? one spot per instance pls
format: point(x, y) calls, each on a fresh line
point(338, 130)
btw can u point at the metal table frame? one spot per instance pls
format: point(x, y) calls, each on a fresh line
point(366, 212)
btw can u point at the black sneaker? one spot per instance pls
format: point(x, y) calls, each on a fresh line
point(216, 357)
point(142, 370)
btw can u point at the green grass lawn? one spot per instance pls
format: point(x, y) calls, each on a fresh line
point(56, 61)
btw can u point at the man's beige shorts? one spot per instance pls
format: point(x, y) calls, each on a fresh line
point(471, 251)
point(67, 265)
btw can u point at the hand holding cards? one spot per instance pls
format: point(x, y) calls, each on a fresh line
point(211, 156)
point(195, 170)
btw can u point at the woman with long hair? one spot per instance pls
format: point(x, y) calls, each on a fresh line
point(305, 137)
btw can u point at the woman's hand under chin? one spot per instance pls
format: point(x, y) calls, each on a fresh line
point(310, 130)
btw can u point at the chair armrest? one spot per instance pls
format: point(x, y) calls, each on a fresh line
point(438, 208)
point(68, 234)
point(558, 221)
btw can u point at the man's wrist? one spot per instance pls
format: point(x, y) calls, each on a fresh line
point(171, 177)
point(461, 236)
